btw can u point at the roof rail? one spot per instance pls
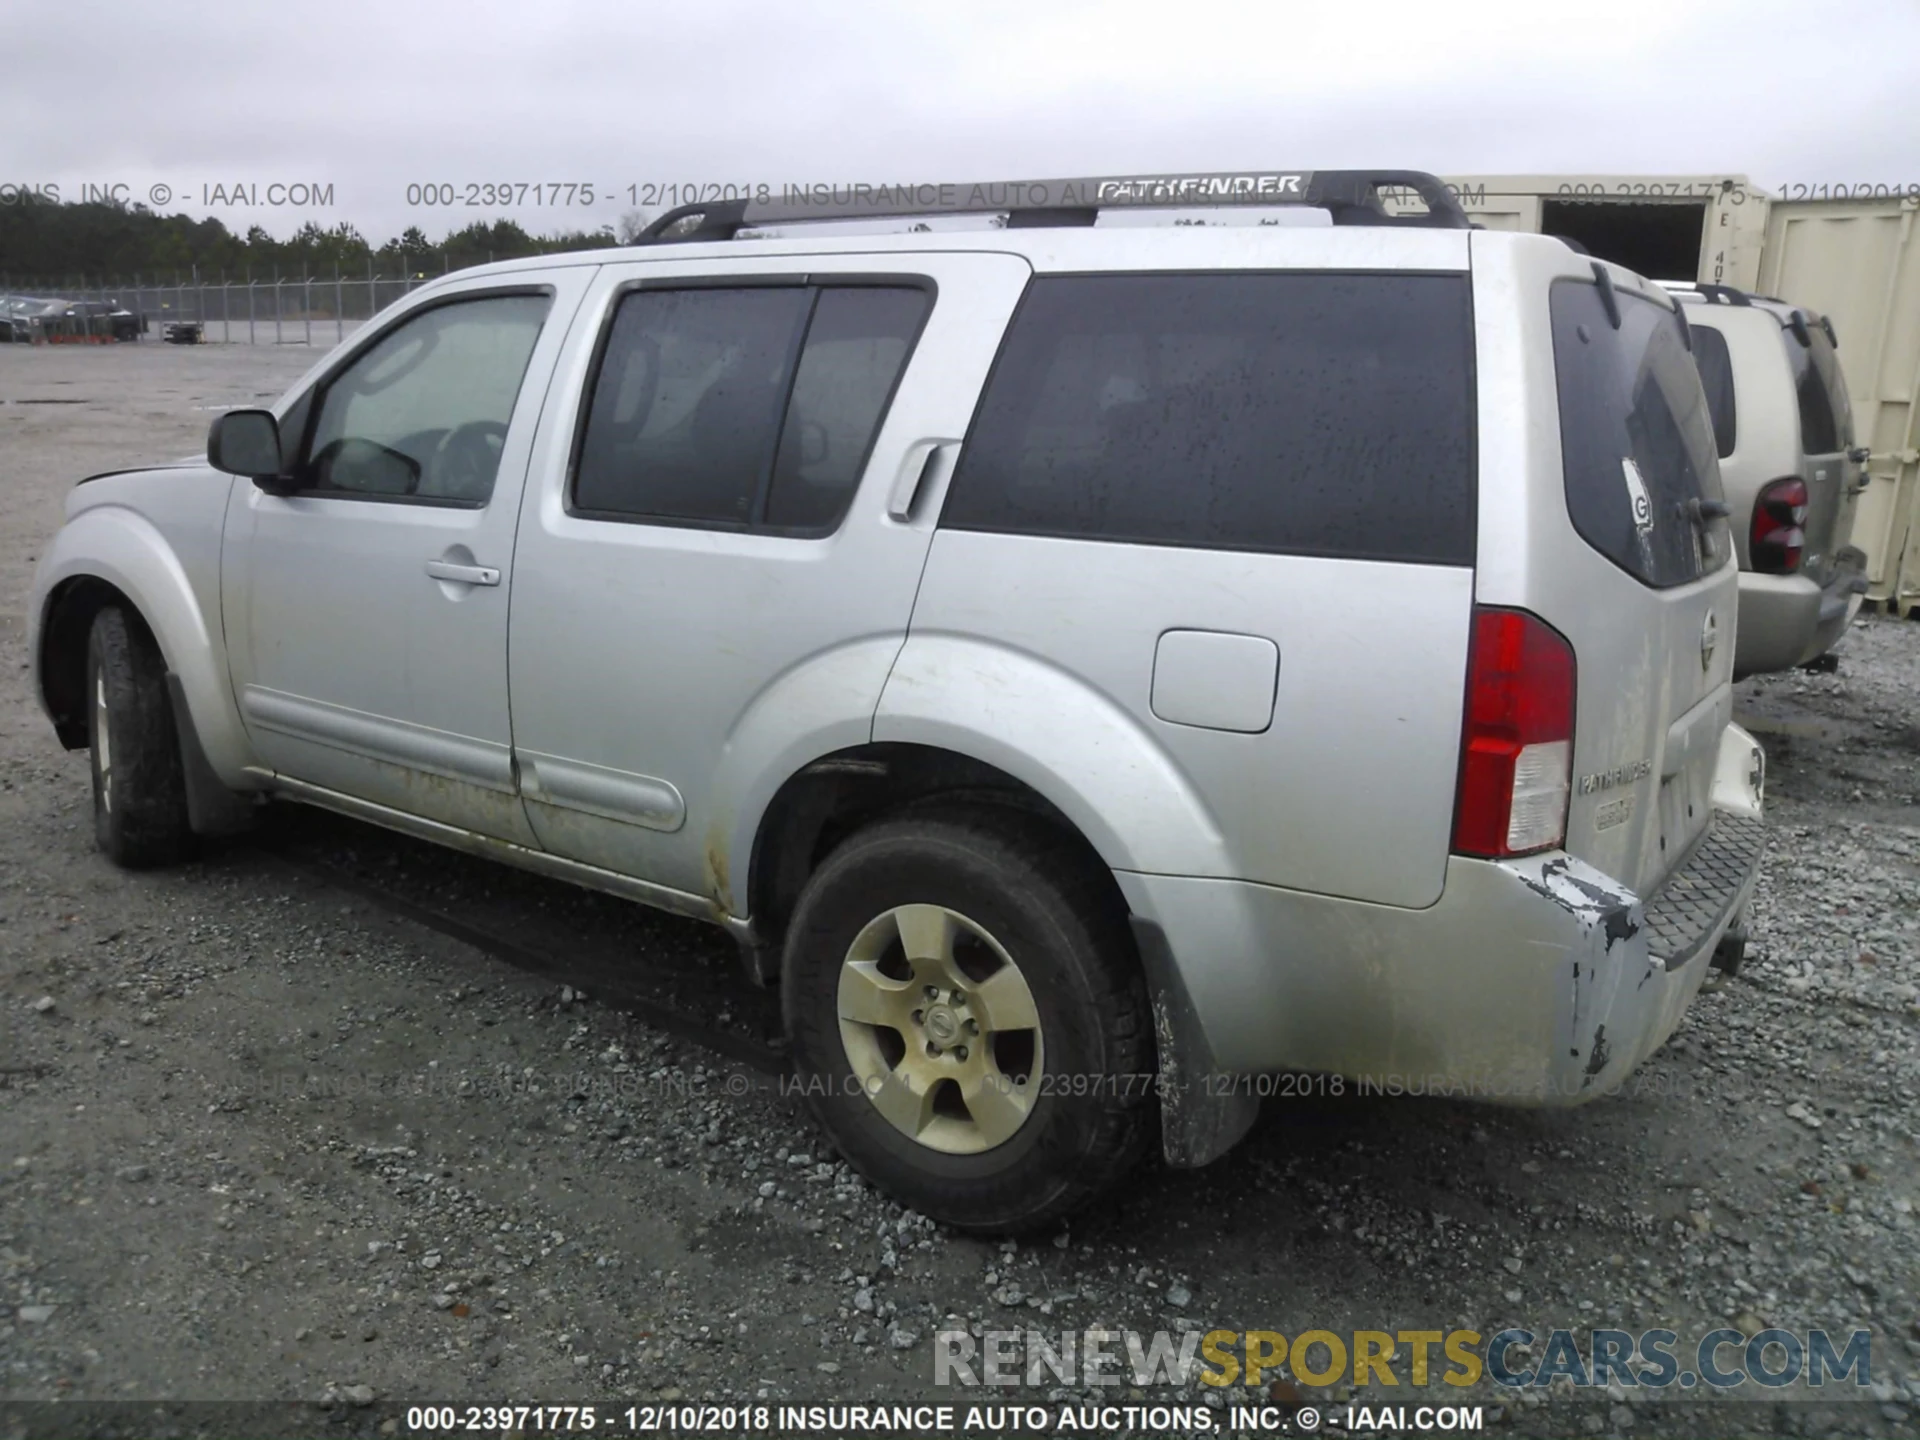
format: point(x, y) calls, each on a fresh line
point(1351, 197)
point(1723, 294)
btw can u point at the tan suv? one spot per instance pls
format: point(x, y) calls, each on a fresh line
point(1791, 472)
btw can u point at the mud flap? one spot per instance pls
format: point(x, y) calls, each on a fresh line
point(1200, 1120)
point(212, 808)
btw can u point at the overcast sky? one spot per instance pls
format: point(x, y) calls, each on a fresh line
point(369, 97)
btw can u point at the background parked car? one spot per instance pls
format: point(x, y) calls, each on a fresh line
point(1792, 474)
point(106, 319)
point(59, 320)
point(21, 316)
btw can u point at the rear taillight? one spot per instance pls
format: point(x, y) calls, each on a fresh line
point(1516, 755)
point(1776, 540)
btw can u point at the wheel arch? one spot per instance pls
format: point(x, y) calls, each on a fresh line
point(1098, 764)
point(832, 796)
point(110, 555)
point(62, 653)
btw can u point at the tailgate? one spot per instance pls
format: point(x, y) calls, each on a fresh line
point(1826, 436)
point(1653, 634)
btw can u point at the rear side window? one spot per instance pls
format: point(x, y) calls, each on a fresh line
point(1716, 378)
point(742, 407)
point(856, 348)
point(1636, 443)
point(1826, 417)
point(1301, 413)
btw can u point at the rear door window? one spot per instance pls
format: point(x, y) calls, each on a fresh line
point(855, 352)
point(751, 407)
point(686, 410)
point(1636, 442)
point(1302, 413)
point(1716, 378)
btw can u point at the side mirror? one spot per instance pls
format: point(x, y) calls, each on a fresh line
point(246, 442)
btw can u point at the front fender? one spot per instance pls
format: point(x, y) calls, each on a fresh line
point(1069, 742)
point(117, 545)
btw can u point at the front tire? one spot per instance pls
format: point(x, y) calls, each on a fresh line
point(968, 1018)
point(139, 782)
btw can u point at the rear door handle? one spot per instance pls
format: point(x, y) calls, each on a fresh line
point(463, 574)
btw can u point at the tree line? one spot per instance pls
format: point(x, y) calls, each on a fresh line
point(52, 243)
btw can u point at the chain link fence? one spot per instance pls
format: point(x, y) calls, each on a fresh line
point(316, 309)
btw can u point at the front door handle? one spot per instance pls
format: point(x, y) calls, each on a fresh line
point(463, 574)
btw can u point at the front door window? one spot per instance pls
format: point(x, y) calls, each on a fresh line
point(422, 415)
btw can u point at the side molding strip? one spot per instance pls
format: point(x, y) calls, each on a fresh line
point(378, 737)
point(592, 877)
point(597, 790)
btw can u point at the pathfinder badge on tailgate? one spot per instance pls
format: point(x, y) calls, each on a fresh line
point(1619, 775)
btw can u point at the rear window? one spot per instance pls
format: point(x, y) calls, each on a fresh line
point(1826, 418)
point(1301, 413)
point(1716, 378)
point(1636, 442)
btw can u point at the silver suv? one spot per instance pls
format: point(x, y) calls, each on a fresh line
point(1784, 431)
point(1092, 668)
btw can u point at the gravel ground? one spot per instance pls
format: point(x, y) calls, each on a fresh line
point(264, 1135)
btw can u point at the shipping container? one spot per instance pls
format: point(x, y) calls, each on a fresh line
point(1858, 263)
point(1848, 252)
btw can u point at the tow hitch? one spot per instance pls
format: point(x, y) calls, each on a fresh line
point(1728, 955)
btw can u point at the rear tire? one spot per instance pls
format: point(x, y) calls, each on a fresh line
point(139, 783)
point(968, 1017)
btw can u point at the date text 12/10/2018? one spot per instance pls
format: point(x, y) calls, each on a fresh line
point(578, 194)
point(884, 1419)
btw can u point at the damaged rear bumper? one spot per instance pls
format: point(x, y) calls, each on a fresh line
point(1539, 981)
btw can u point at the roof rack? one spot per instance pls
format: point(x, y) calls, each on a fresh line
point(1351, 197)
point(1723, 294)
